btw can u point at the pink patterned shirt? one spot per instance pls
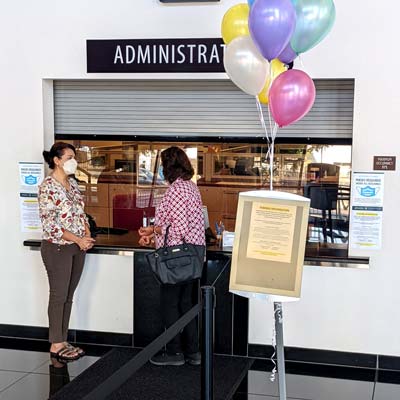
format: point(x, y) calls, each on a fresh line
point(61, 210)
point(182, 209)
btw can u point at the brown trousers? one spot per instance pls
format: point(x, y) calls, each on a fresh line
point(64, 266)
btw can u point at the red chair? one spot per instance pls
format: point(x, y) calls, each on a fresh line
point(126, 214)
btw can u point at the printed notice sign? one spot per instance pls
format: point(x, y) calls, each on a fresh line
point(384, 163)
point(366, 211)
point(31, 176)
point(271, 232)
point(269, 244)
point(30, 221)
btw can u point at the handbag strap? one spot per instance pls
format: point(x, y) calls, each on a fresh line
point(166, 237)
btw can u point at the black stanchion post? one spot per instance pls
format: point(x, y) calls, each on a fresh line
point(207, 343)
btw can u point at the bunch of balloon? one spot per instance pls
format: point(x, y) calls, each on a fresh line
point(262, 37)
point(301, 24)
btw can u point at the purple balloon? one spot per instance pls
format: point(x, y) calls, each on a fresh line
point(271, 25)
point(291, 96)
point(287, 55)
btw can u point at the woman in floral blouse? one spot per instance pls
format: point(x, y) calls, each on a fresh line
point(66, 238)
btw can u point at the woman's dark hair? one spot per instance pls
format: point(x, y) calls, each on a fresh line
point(176, 164)
point(57, 150)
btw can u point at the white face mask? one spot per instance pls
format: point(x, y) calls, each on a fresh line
point(70, 166)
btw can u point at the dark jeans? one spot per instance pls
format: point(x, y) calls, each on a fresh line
point(176, 300)
point(64, 266)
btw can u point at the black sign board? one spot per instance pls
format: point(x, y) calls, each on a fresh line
point(155, 55)
point(384, 163)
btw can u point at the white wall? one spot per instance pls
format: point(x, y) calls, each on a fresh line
point(355, 310)
point(103, 301)
point(104, 298)
point(349, 310)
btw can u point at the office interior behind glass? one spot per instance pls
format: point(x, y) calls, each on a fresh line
point(123, 183)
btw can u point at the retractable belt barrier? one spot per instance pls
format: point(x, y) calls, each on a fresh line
point(119, 377)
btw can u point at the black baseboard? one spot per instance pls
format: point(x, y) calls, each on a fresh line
point(87, 337)
point(321, 370)
point(43, 346)
point(335, 358)
point(258, 351)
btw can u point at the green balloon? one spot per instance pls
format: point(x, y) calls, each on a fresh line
point(314, 20)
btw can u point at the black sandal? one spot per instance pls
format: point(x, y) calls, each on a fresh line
point(64, 354)
point(78, 350)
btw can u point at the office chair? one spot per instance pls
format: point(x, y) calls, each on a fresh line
point(323, 198)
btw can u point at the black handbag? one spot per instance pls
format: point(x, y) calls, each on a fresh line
point(177, 264)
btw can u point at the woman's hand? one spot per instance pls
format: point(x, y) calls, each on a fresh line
point(85, 243)
point(146, 240)
point(146, 236)
point(92, 242)
point(146, 231)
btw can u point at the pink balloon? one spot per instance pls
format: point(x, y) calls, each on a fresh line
point(291, 96)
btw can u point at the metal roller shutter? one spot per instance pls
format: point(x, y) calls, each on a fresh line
point(190, 108)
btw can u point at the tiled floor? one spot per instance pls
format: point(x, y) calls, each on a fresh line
point(29, 375)
point(345, 383)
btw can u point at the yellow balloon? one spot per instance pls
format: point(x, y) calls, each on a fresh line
point(276, 67)
point(263, 95)
point(235, 22)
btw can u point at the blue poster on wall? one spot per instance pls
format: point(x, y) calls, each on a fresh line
point(366, 211)
point(31, 175)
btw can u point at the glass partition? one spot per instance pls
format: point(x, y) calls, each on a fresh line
point(122, 183)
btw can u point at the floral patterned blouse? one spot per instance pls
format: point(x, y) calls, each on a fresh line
point(61, 210)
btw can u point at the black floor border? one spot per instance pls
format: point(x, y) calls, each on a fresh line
point(319, 370)
point(389, 363)
point(43, 346)
point(81, 336)
point(385, 376)
point(316, 356)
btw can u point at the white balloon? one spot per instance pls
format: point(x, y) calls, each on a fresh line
point(244, 64)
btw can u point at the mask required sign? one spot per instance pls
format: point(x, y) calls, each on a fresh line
point(155, 55)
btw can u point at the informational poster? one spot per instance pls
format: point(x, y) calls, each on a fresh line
point(366, 211)
point(29, 207)
point(269, 244)
point(271, 232)
point(31, 176)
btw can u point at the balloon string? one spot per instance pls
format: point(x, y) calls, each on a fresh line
point(277, 314)
point(274, 130)
point(270, 139)
point(271, 148)
point(270, 119)
point(267, 136)
point(271, 78)
point(261, 117)
point(271, 164)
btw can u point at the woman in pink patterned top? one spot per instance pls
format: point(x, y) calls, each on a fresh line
point(181, 209)
point(66, 238)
